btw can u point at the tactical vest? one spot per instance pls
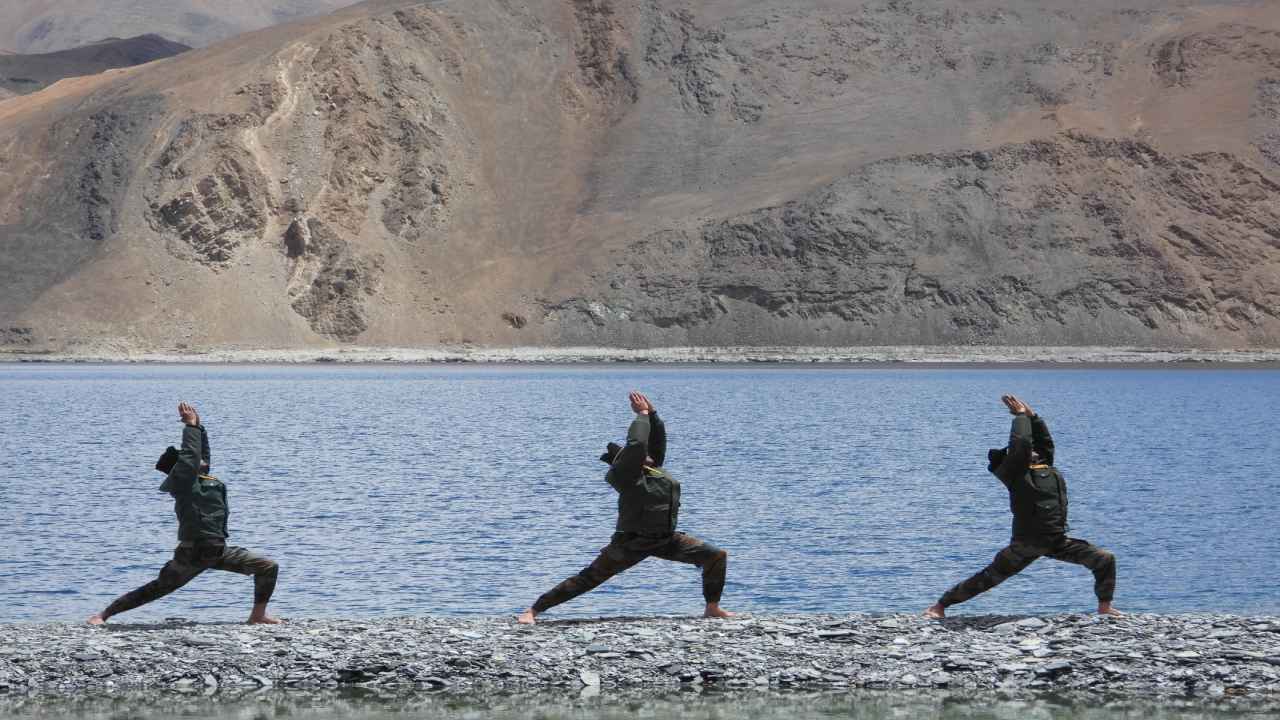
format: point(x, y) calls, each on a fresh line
point(1039, 503)
point(650, 505)
point(202, 514)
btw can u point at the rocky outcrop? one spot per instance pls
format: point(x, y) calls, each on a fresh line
point(1040, 243)
point(1266, 117)
point(330, 284)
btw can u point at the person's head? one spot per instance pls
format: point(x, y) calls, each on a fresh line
point(170, 458)
point(611, 454)
point(995, 458)
point(167, 460)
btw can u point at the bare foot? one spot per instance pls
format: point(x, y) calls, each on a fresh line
point(527, 617)
point(263, 619)
point(713, 611)
point(935, 611)
point(97, 619)
point(1106, 609)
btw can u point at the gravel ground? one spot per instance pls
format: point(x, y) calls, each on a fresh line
point(1162, 656)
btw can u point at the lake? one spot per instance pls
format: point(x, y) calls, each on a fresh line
point(468, 489)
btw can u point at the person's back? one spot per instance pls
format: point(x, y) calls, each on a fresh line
point(648, 495)
point(1037, 489)
point(199, 499)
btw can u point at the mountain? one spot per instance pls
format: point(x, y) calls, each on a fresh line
point(661, 172)
point(43, 26)
point(23, 74)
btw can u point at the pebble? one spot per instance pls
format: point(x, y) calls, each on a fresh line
point(1137, 655)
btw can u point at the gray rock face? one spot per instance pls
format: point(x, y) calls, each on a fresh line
point(1149, 655)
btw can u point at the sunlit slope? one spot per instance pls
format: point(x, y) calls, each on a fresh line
point(661, 173)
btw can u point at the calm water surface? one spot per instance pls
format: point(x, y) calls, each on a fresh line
point(388, 490)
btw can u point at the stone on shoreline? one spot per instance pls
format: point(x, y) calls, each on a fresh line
point(1137, 655)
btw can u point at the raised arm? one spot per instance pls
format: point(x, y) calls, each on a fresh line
point(187, 469)
point(629, 462)
point(657, 438)
point(1041, 440)
point(1018, 459)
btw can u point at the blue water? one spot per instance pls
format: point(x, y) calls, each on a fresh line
point(391, 490)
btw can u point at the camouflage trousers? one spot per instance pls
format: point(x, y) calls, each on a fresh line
point(190, 561)
point(626, 550)
point(1021, 552)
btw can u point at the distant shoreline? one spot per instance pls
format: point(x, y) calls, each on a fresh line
point(867, 357)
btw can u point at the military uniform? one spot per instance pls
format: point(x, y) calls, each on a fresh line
point(1038, 499)
point(648, 510)
point(200, 502)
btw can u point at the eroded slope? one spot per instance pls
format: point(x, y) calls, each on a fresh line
point(658, 172)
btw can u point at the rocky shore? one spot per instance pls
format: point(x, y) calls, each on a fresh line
point(1157, 656)
point(869, 355)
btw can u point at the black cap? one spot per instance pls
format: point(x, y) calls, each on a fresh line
point(995, 458)
point(610, 452)
point(167, 460)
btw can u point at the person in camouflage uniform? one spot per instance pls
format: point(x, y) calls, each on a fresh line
point(1038, 498)
point(648, 508)
point(200, 501)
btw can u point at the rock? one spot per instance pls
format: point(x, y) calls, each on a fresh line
point(712, 675)
point(198, 641)
point(1054, 669)
point(462, 655)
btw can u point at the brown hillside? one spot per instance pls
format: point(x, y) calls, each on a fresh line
point(658, 172)
point(23, 74)
point(43, 26)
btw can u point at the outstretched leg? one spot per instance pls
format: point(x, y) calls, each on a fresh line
point(612, 560)
point(185, 565)
point(1101, 562)
point(712, 560)
point(1008, 562)
point(264, 571)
